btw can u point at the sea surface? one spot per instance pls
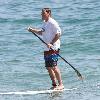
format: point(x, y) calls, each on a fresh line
point(21, 53)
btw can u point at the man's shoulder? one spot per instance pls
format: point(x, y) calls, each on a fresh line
point(53, 21)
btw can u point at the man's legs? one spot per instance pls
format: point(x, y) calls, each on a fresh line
point(54, 73)
point(52, 76)
point(58, 77)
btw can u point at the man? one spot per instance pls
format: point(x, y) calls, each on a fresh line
point(51, 33)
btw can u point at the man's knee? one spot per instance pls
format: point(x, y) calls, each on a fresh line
point(55, 68)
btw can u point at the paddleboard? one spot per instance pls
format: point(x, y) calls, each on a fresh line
point(35, 92)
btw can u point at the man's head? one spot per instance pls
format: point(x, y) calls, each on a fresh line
point(46, 13)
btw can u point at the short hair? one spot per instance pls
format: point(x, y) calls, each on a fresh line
point(48, 10)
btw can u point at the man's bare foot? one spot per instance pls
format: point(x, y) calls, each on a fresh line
point(59, 87)
point(53, 86)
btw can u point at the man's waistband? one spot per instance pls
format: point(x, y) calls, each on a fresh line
point(51, 52)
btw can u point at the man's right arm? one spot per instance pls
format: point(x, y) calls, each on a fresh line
point(33, 30)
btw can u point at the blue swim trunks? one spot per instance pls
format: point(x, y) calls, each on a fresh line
point(51, 58)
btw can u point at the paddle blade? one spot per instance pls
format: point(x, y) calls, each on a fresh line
point(79, 75)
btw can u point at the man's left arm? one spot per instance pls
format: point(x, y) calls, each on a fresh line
point(57, 36)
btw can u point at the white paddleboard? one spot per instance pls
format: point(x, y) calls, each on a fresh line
point(35, 92)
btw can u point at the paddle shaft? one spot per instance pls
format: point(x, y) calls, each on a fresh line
point(78, 73)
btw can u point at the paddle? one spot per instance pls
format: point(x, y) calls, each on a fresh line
point(77, 72)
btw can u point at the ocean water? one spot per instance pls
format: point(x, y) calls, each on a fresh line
point(21, 53)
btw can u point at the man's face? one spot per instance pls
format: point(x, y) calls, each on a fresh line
point(45, 15)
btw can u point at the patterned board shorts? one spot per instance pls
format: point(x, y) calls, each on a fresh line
point(51, 58)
